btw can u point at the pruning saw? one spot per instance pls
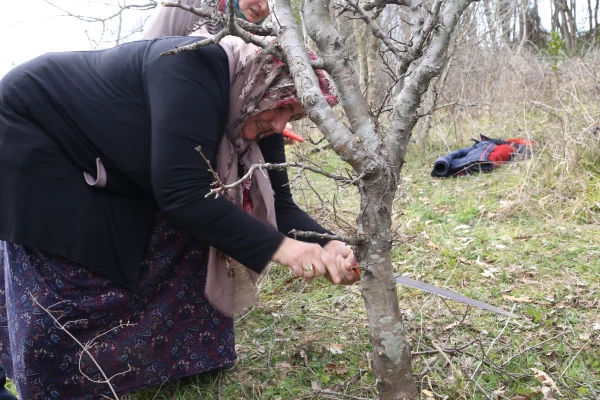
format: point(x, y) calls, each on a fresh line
point(449, 294)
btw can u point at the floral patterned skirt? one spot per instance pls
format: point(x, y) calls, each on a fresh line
point(172, 331)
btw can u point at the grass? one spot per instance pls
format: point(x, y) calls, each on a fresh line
point(525, 238)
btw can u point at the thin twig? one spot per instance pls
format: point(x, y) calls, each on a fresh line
point(84, 348)
point(220, 186)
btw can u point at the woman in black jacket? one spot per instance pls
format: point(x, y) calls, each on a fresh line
point(105, 219)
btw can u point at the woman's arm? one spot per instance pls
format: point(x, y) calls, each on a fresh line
point(187, 96)
point(289, 215)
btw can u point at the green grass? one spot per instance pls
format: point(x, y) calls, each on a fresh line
point(525, 238)
point(529, 231)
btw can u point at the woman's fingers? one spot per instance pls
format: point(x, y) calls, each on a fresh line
point(332, 269)
point(309, 260)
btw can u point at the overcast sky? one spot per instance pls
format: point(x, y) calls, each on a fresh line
point(29, 28)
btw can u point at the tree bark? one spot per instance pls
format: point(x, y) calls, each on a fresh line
point(524, 22)
point(590, 15)
point(596, 20)
point(376, 157)
point(360, 50)
point(371, 53)
point(489, 18)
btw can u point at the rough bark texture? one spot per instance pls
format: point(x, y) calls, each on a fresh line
point(391, 350)
point(376, 156)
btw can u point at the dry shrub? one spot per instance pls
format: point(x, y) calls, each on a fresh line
point(554, 102)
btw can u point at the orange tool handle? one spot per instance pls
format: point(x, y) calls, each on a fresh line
point(293, 136)
point(356, 271)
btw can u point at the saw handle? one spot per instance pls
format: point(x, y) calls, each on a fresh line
point(292, 135)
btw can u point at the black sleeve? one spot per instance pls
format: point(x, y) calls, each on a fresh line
point(289, 215)
point(187, 96)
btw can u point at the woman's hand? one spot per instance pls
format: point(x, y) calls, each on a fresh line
point(344, 258)
point(287, 141)
point(308, 260)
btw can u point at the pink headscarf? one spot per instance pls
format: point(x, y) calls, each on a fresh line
point(259, 82)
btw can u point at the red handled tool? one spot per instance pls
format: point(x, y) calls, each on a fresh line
point(292, 136)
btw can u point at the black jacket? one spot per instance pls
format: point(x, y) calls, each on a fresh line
point(142, 114)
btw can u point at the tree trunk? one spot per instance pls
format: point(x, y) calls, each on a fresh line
point(590, 15)
point(504, 15)
point(555, 23)
point(571, 18)
point(523, 30)
point(596, 20)
point(391, 350)
point(489, 18)
point(375, 156)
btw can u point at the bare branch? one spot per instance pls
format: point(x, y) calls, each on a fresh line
point(217, 16)
point(204, 42)
point(220, 186)
point(416, 50)
point(357, 150)
point(140, 7)
point(407, 102)
point(382, 3)
point(375, 29)
point(85, 348)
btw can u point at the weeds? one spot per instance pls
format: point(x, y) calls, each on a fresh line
point(525, 238)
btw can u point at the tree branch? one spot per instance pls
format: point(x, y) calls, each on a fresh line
point(416, 50)
point(382, 3)
point(85, 348)
point(333, 49)
point(140, 7)
point(219, 186)
point(375, 29)
point(407, 102)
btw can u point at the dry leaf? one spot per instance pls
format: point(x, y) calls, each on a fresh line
point(427, 393)
point(336, 348)
point(336, 368)
point(433, 245)
point(521, 397)
point(545, 380)
point(585, 336)
point(462, 227)
point(316, 386)
point(547, 392)
point(369, 360)
point(517, 299)
point(488, 273)
point(283, 365)
point(451, 326)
